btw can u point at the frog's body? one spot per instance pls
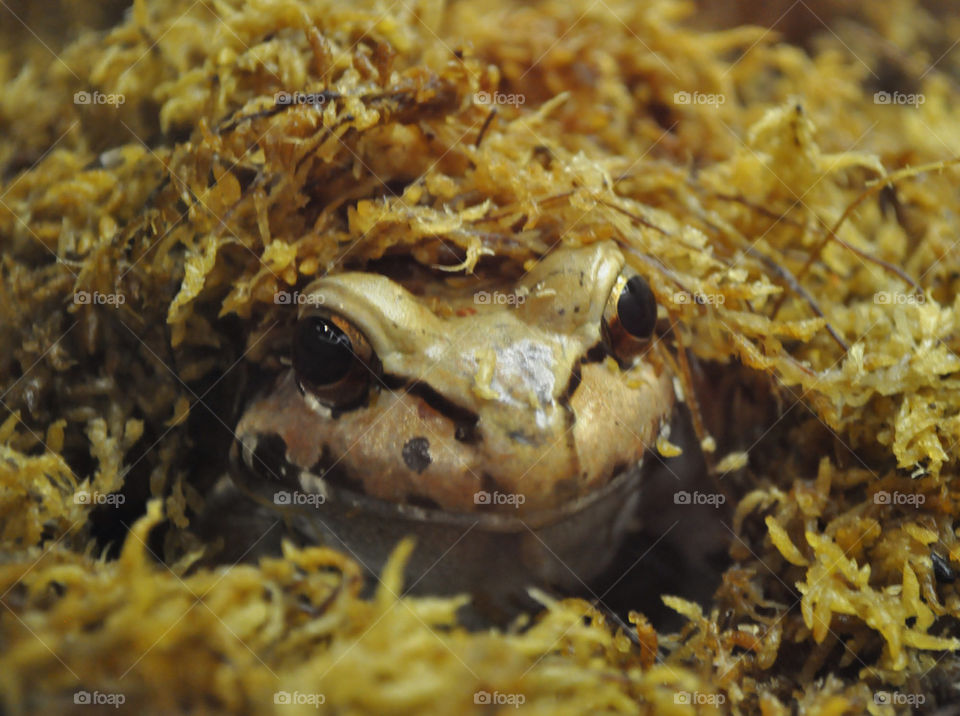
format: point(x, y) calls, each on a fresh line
point(488, 420)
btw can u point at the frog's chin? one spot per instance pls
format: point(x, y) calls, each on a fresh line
point(490, 554)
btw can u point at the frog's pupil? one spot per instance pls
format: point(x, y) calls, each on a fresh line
point(637, 308)
point(322, 353)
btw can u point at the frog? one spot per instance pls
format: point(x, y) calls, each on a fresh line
point(503, 419)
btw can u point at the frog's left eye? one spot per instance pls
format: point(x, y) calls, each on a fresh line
point(637, 308)
point(333, 360)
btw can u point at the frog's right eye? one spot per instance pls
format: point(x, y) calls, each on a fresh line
point(333, 360)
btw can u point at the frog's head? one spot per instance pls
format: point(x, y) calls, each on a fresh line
point(466, 395)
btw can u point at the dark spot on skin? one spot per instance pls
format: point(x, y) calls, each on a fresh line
point(270, 456)
point(576, 309)
point(562, 311)
point(416, 454)
point(467, 434)
point(942, 569)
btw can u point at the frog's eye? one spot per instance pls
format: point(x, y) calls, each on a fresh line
point(637, 308)
point(333, 360)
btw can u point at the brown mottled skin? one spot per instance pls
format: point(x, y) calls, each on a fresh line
point(510, 365)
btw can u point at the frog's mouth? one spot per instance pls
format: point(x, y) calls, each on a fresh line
point(261, 469)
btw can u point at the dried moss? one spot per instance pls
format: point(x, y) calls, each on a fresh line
point(199, 197)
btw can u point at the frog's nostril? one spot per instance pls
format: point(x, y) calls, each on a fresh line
point(268, 455)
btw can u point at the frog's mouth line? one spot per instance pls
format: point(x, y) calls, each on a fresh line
point(325, 495)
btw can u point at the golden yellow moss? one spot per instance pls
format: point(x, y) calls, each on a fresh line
point(198, 198)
